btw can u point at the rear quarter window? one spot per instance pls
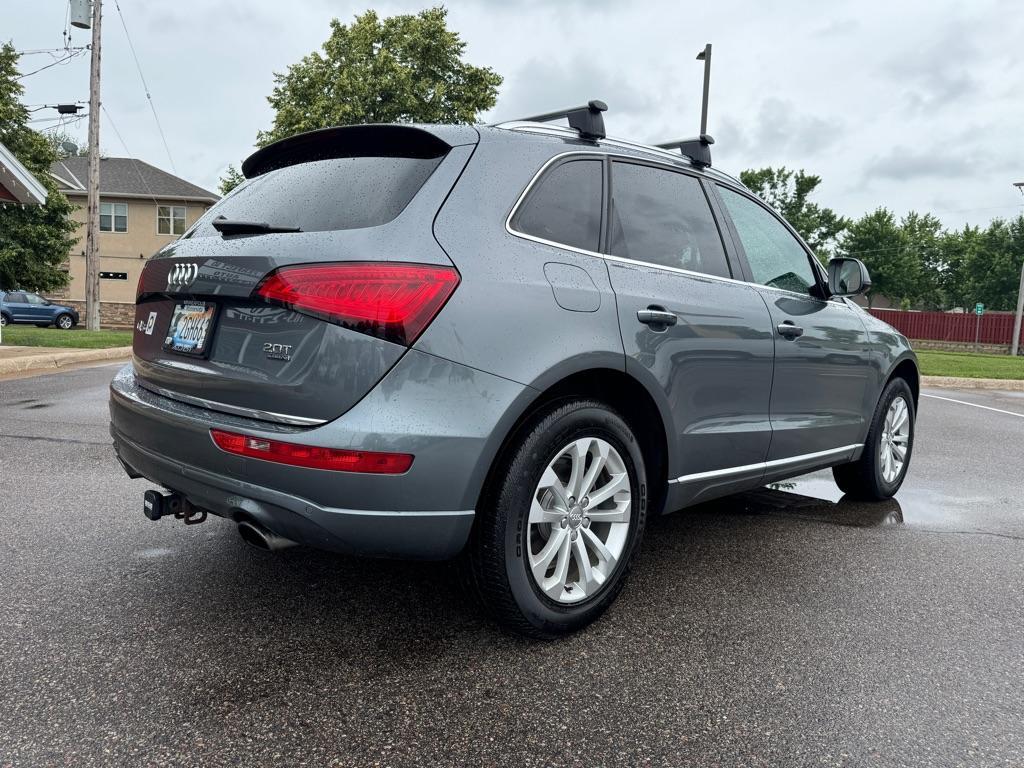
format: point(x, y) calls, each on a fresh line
point(339, 193)
point(564, 207)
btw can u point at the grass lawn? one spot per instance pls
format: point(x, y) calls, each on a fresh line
point(30, 336)
point(971, 366)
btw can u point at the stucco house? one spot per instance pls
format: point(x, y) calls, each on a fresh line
point(142, 208)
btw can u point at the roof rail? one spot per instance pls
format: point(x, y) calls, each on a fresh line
point(697, 149)
point(586, 119)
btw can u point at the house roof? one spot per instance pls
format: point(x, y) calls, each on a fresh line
point(18, 181)
point(126, 177)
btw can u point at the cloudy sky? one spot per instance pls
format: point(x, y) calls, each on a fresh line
point(913, 104)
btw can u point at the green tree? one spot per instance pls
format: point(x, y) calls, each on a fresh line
point(34, 240)
point(921, 236)
point(399, 69)
point(405, 68)
point(789, 193)
point(232, 178)
point(993, 269)
point(958, 249)
point(877, 239)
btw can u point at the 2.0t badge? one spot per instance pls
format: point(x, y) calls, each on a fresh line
point(277, 351)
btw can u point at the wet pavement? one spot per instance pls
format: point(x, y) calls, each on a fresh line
point(784, 627)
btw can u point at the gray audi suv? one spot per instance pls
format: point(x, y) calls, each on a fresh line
point(505, 344)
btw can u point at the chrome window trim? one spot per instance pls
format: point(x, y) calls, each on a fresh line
point(606, 256)
point(595, 154)
point(235, 410)
point(764, 465)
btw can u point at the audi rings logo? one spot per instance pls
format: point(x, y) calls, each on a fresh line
point(182, 275)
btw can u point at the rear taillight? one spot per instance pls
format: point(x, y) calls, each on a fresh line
point(312, 456)
point(392, 301)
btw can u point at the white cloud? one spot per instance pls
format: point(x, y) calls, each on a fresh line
point(834, 88)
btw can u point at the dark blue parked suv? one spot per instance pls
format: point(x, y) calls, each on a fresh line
point(25, 307)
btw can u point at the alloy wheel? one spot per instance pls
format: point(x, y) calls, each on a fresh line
point(64, 322)
point(895, 440)
point(579, 520)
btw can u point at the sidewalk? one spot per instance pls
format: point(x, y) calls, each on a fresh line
point(42, 359)
point(958, 382)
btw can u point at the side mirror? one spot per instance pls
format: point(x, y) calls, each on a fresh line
point(847, 277)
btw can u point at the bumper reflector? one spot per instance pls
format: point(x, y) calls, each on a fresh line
point(312, 456)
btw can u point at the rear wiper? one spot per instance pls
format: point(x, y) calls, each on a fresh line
point(233, 227)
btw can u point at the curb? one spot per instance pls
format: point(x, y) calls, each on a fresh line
point(56, 360)
point(954, 382)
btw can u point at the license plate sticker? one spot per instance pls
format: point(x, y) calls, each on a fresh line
point(191, 328)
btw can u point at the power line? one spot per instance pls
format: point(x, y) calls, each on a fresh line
point(62, 60)
point(135, 163)
point(145, 86)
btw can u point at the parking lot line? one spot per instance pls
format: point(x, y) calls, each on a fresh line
point(975, 405)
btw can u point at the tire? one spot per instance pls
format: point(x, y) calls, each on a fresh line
point(532, 479)
point(5, 320)
point(866, 478)
point(65, 322)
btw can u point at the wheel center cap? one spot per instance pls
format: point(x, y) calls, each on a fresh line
point(575, 516)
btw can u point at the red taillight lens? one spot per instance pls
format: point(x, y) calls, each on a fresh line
point(392, 301)
point(312, 456)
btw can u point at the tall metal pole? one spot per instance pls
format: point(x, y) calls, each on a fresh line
point(1015, 345)
point(92, 225)
point(705, 56)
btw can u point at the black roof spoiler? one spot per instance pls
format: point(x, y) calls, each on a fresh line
point(587, 119)
point(376, 140)
point(697, 149)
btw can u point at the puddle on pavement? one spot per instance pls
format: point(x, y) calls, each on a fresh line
point(816, 497)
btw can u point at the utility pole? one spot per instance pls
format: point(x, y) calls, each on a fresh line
point(705, 56)
point(92, 227)
point(1015, 344)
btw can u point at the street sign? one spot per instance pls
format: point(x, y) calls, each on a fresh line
point(979, 309)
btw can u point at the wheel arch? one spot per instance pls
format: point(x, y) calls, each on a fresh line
point(621, 392)
point(906, 368)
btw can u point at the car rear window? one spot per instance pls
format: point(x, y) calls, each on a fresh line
point(339, 193)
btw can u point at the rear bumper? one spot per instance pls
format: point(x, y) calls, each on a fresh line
point(424, 406)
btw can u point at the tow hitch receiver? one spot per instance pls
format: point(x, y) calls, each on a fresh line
point(156, 504)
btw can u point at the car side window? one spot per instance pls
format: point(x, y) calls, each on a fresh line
point(663, 217)
point(16, 298)
point(31, 298)
point(565, 206)
point(776, 258)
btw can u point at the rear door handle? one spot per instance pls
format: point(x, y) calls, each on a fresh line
point(657, 317)
point(788, 330)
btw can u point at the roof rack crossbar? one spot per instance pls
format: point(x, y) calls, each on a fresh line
point(697, 149)
point(586, 119)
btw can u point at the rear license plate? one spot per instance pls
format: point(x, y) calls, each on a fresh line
point(191, 328)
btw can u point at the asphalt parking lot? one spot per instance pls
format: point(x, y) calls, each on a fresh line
point(782, 628)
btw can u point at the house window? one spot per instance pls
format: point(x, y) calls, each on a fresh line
point(170, 219)
point(113, 217)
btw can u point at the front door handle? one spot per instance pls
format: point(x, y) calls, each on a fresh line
point(788, 330)
point(657, 317)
